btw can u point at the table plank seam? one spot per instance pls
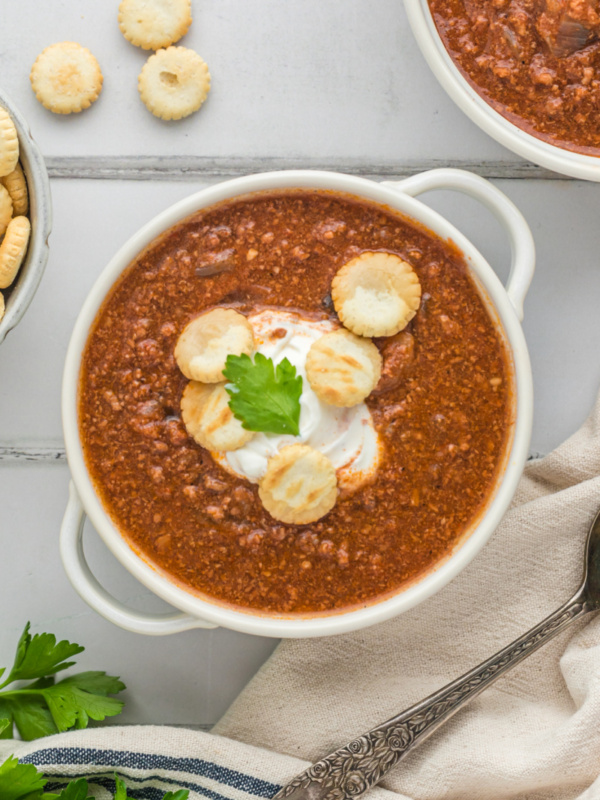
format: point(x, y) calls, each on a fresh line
point(52, 455)
point(57, 455)
point(191, 168)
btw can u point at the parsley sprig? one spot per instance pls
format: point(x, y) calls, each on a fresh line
point(24, 782)
point(264, 397)
point(44, 706)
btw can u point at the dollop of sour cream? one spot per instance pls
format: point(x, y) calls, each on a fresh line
point(346, 436)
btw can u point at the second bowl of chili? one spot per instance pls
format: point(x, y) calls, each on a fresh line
point(504, 68)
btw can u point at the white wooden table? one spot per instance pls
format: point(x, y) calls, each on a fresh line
point(309, 83)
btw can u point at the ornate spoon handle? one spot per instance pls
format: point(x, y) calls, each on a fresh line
point(361, 764)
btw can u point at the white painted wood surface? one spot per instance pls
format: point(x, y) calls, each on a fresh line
point(308, 79)
point(295, 84)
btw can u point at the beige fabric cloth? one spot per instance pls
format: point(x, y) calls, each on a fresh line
point(535, 733)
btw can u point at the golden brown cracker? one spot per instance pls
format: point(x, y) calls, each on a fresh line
point(13, 249)
point(376, 294)
point(9, 143)
point(209, 420)
point(205, 342)
point(342, 368)
point(16, 185)
point(6, 209)
point(66, 78)
point(174, 83)
point(299, 486)
point(152, 24)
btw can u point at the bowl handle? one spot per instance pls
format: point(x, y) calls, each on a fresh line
point(96, 596)
point(505, 211)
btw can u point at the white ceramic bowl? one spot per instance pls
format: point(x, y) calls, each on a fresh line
point(194, 612)
point(20, 294)
point(577, 165)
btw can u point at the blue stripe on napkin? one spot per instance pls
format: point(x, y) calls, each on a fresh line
point(149, 762)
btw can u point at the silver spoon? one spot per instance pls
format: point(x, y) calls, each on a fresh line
point(361, 764)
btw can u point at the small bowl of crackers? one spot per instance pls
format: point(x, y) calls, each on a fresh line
point(25, 215)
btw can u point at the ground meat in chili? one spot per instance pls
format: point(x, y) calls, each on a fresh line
point(443, 408)
point(536, 62)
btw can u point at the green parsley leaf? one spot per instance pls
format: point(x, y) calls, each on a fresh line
point(20, 781)
point(95, 683)
point(264, 397)
point(43, 706)
point(28, 712)
point(40, 656)
point(32, 717)
point(24, 782)
point(121, 789)
point(121, 792)
point(6, 715)
point(75, 790)
point(72, 704)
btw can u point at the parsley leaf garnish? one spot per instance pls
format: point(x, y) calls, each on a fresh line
point(75, 790)
point(40, 655)
point(45, 706)
point(121, 789)
point(24, 782)
point(20, 780)
point(121, 792)
point(264, 397)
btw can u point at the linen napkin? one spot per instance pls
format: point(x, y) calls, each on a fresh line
point(534, 735)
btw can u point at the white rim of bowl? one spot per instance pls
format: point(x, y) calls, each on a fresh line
point(567, 162)
point(338, 622)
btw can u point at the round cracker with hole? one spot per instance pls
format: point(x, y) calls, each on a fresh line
point(16, 185)
point(66, 78)
point(9, 143)
point(343, 368)
point(174, 83)
point(13, 249)
point(209, 420)
point(205, 342)
point(299, 486)
point(376, 294)
point(152, 24)
point(6, 209)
